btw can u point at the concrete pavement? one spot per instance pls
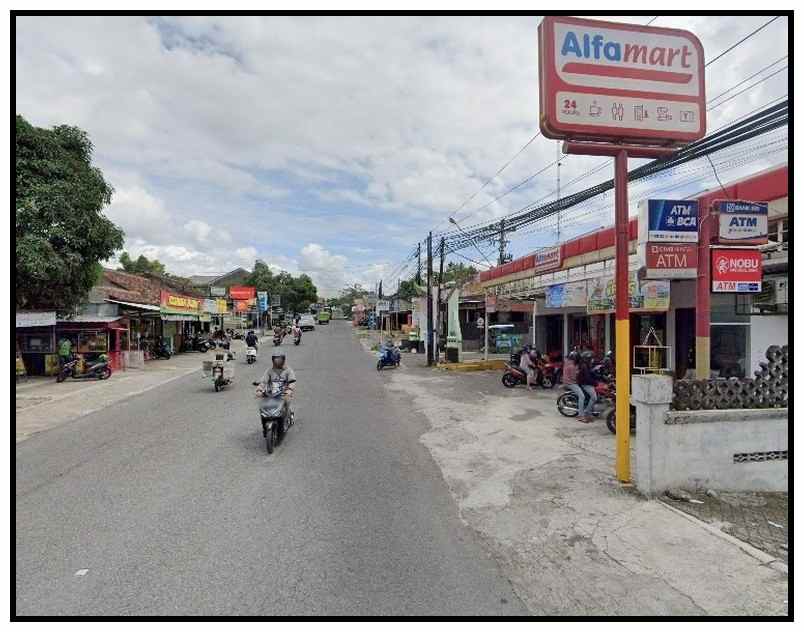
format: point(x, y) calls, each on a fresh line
point(166, 503)
point(541, 491)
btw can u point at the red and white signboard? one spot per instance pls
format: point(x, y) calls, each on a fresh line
point(611, 81)
point(547, 259)
point(670, 261)
point(736, 270)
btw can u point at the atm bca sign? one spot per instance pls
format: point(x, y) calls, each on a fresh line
point(611, 81)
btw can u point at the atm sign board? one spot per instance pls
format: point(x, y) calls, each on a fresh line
point(612, 81)
point(736, 270)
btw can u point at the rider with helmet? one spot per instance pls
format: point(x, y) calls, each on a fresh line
point(281, 375)
point(586, 382)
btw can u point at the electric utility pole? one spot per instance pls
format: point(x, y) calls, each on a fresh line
point(430, 299)
point(503, 258)
point(438, 300)
point(419, 264)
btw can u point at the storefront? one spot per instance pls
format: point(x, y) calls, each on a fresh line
point(36, 343)
point(180, 316)
point(91, 336)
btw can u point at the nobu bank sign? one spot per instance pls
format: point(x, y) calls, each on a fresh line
point(604, 80)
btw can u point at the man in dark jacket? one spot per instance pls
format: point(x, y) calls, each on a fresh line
point(586, 380)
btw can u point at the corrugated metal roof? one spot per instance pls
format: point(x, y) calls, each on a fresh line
point(90, 318)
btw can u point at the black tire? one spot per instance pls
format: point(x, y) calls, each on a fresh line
point(270, 440)
point(611, 421)
point(204, 349)
point(567, 404)
point(379, 365)
point(509, 381)
point(60, 377)
point(217, 385)
point(105, 374)
point(547, 382)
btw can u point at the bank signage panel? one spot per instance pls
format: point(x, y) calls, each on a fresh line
point(670, 261)
point(606, 80)
point(736, 270)
point(668, 221)
point(741, 222)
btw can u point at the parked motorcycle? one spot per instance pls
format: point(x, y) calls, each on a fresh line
point(611, 420)
point(96, 370)
point(196, 343)
point(275, 416)
point(567, 402)
point(162, 351)
point(388, 355)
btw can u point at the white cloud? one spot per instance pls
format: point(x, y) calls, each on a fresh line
point(387, 126)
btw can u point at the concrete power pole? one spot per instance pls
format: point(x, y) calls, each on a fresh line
point(430, 299)
point(438, 300)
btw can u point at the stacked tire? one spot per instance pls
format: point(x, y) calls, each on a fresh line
point(768, 388)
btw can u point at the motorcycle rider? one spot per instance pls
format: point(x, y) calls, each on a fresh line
point(527, 364)
point(279, 374)
point(251, 339)
point(297, 332)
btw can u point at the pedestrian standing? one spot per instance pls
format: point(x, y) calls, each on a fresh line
point(586, 381)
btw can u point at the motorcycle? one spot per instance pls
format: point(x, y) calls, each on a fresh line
point(514, 376)
point(611, 420)
point(567, 402)
point(162, 350)
point(275, 416)
point(277, 340)
point(297, 339)
point(96, 370)
point(251, 355)
point(196, 343)
point(219, 369)
point(388, 355)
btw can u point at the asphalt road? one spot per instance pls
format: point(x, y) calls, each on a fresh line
point(168, 504)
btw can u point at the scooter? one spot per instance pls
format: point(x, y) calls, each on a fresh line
point(297, 339)
point(220, 370)
point(201, 345)
point(97, 370)
point(275, 416)
point(251, 355)
point(388, 355)
point(162, 351)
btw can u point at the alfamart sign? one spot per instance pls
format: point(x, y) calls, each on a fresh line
point(605, 80)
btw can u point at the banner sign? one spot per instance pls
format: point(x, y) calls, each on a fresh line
point(491, 303)
point(242, 292)
point(36, 319)
point(741, 222)
point(262, 299)
point(612, 81)
point(547, 259)
point(241, 306)
point(276, 299)
point(669, 261)
point(668, 221)
point(736, 270)
point(178, 303)
point(644, 296)
point(566, 295)
point(217, 291)
point(383, 306)
point(222, 305)
point(210, 306)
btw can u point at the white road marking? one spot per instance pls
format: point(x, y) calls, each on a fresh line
point(81, 572)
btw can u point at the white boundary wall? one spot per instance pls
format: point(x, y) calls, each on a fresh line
point(696, 449)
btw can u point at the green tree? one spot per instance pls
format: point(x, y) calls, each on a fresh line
point(297, 292)
point(61, 234)
point(458, 272)
point(141, 265)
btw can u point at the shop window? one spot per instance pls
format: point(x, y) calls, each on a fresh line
point(37, 343)
point(92, 342)
point(724, 310)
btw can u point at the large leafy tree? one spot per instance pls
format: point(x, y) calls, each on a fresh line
point(458, 272)
point(297, 292)
point(61, 234)
point(141, 265)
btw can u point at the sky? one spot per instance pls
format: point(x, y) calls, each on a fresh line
point(332, 145)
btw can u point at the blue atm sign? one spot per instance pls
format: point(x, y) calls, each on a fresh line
point(668, 221)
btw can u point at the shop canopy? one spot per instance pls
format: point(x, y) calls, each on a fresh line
point(140, 306)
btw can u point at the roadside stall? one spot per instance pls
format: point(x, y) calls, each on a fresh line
point(36, 343)
point(91, 336)
point(180, 317)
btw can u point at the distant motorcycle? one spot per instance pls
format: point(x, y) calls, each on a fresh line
point(388, 355)
point(251, 355)
point(96, 370)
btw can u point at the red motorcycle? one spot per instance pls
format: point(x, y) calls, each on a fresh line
point(567, 402)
